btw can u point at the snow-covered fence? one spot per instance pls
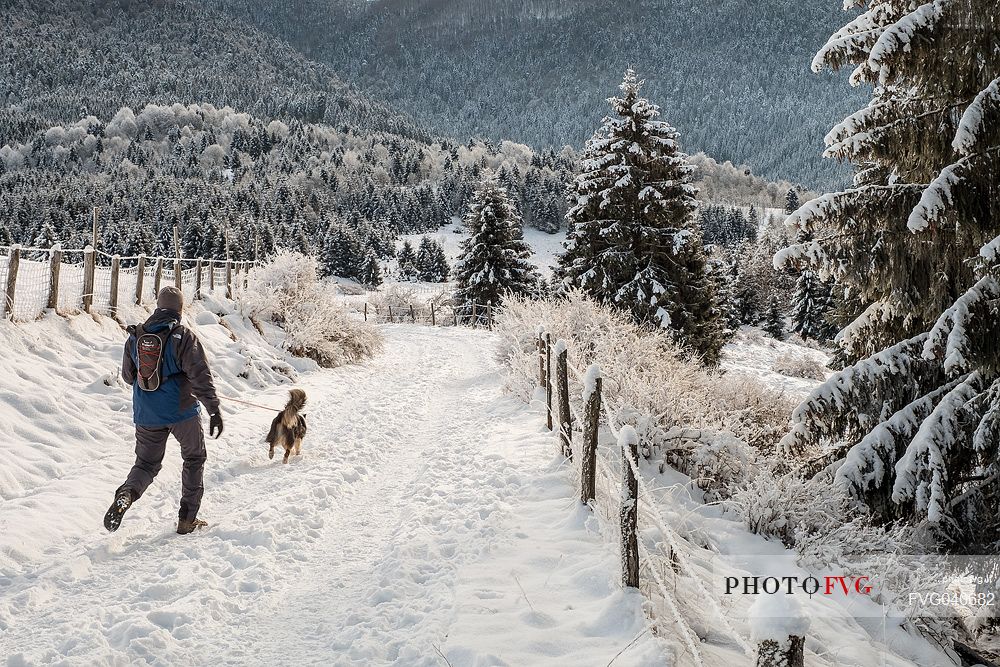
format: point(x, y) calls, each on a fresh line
point(616, 490)
point(471, 315)
point(40, 279)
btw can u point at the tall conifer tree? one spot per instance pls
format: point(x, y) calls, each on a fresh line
point(916, 243)
point(494, 260)
point(633, 241)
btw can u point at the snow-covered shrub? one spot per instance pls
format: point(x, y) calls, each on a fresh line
point(799, 366)
point(717, 461)
point(649, 384)
point(287, 291)
point(786, 506)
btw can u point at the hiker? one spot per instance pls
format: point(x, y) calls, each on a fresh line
point(167, 368)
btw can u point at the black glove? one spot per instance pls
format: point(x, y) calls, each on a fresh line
point(215, 424)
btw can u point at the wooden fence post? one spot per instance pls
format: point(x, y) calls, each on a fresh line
point(390, 313)
point(55, 261)
point(548, 380)
point(158, 278)
point(562, 379)
point(475, 316)
point(88, 276)
point(489, 315)
point(178, 274)
point(433, 317)
point(229, 279)
point(12, 267)
point(211, 275)
point(790, 653)
point(454, 313)
point(591, 427)
point(413, 317)
point(197, 278)
point(140, 278)
point(628, 441)
point(366, 311)
point(540, 345)
point(113, 295)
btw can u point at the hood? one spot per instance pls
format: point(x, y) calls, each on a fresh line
point(160, 319)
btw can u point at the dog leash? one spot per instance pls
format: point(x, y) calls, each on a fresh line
point(254, 405)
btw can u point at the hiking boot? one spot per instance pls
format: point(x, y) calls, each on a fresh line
point(113, 517)
point(185, 526)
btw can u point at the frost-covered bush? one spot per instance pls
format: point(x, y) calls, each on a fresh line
point(788, 507)
point(649, 384)
point(716, 461)
point(287, 291)
point(403, 296)
point(799, 366)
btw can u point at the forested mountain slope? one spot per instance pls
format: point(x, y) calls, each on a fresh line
point(61, 61)
point(177, 113)
point(732, 76)
point(187, 113)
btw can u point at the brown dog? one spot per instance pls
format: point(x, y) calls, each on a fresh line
point(289, 427)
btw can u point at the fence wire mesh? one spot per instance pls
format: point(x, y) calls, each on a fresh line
point(33, 288)
point(666, 575)
point(32, 292)
point(70, 282)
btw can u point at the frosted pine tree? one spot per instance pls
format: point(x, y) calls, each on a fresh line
point(774, 320)
point(371, 271)
point(494, 260)
point(431, 262)
point(442, 270)
point(633, 241)
point(406, 262)
point(791, 201)
point(811, 304)
point(342, 254)
point(916, 243)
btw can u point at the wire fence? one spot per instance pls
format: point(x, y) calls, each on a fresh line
point(433, 314)
point(611, 483)
point(36, 280)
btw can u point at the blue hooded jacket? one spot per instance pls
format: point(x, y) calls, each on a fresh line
point(185, 376)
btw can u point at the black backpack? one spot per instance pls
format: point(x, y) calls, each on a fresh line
point(149, 351)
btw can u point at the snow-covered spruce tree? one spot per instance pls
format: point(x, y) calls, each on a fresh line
point(812, 302)
point(791, 201)
point(774, 320)
point(916, 242)
point(342, 254)
point(371, 270)
point(633, 241)
point(494, 260)
point(406, 262)
point(432, 264)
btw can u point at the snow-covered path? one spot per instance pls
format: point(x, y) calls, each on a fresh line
point(418, 483)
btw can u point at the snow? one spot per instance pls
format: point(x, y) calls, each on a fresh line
point(428, 515)
point(777, 617)
point(754, 355)
point(972, 126)
point(590, 378)
point(843, 630)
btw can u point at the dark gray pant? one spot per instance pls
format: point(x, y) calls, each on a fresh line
point(151, 445)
